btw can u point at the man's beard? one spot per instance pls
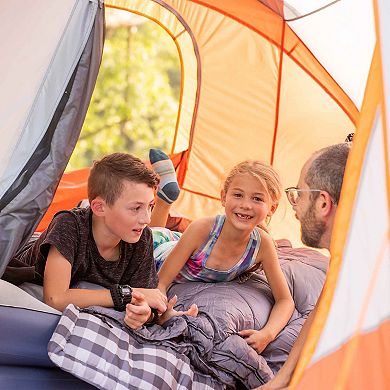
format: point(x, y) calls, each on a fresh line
point(312, 230)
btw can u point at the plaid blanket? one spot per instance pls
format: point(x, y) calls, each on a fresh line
point(101, 351)
point(190, 353)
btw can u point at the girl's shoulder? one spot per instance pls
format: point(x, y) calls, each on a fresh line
point(200, 228)
point(263, 233)
point(267, 245)
point(203, 222)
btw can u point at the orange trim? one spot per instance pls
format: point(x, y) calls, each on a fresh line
point(277, 108)
point(182, 75)
point(180, 162)
point(180, 33)
point(179, 53)
point(369, 365)
point(196, 51)
point(342, 220)
point(299, 52)
point(253, 10)
point(352, 346)
point(199, 193)
point(71, 189)
point(273, 18)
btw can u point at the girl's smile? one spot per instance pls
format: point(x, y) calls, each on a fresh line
point(246, 201)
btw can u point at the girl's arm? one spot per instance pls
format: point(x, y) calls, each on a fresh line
point(189, 242)
point(284, 304)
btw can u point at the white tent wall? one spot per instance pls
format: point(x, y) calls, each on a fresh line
point(360, 276)
point(34, 85)
point(369, 304)
point(52, 118)
point(343, 42)
point(24, 43)
point(349, 343)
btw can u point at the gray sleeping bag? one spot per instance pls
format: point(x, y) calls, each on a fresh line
point(202, 352)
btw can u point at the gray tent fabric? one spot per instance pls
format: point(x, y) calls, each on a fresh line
point(26, 201)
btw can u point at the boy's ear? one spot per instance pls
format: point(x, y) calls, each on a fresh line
point(223, 198)
point(98, 206)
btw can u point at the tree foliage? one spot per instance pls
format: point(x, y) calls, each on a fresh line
point(135, 102)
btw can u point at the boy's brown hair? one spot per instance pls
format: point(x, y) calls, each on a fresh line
point(108, 174)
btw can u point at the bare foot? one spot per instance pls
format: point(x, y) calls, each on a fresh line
point(171, 312)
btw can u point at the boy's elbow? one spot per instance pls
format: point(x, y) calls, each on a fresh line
point(54, 301)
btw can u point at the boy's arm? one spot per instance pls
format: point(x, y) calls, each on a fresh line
point(57, 293)
point(56, 286)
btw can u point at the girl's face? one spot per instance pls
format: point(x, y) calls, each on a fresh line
point(246, 202)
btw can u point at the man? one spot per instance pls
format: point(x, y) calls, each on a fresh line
point(314, 201)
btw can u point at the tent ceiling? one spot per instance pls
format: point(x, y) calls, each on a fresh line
point(252, 88)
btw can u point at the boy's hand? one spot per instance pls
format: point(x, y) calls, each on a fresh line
point(137, 312)
point(154, 298)
point(257, 339)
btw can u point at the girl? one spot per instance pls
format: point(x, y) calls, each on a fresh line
point(219, 249)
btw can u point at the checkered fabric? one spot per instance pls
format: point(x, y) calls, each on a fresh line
point(203, 352)
point(108, 357)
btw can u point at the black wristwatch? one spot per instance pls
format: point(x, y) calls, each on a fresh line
point(121, 295)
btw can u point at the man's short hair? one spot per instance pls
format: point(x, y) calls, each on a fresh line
point(107, 176)
point(326, 171)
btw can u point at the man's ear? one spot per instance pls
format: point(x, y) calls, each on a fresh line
point(324, 203)
point(223, 198)
point(98, 206)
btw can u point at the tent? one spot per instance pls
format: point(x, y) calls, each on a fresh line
point(272, 80)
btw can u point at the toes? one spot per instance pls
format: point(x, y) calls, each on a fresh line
point(193, 311)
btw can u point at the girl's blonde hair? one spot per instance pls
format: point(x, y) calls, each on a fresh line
point(266, 175)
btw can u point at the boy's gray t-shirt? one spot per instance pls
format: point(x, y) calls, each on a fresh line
point(71, 233)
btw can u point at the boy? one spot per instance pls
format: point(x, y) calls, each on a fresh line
point(108, 244)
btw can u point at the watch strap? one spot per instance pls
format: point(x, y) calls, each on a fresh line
point(117, 299)
point(125, 298)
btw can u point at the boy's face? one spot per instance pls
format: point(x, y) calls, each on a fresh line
point(130, 214)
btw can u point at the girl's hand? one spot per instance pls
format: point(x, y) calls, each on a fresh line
point(257, 339)
point(171, 312)
point(154, 298)
point(137, 312)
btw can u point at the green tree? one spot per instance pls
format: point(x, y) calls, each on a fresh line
point(135, 102)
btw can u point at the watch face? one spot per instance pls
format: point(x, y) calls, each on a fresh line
point(126, 291)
